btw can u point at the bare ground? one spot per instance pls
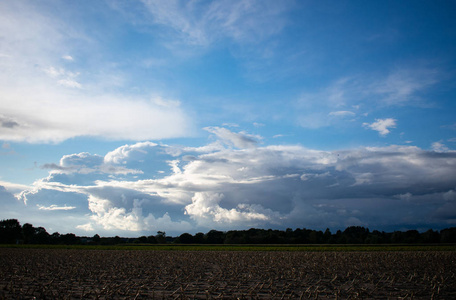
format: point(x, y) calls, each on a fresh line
point(124, 274)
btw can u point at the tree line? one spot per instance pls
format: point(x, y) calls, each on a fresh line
point(11, 232)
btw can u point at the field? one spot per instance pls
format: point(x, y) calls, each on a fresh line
point(155, 274)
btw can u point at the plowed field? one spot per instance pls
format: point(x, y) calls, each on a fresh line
point(137, 274)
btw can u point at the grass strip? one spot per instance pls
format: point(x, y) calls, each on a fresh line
point(181, 247)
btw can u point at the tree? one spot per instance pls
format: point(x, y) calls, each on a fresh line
point(215, 237)
point(161, 237)
point(41, 236)
point(448, 235)
point(430, 236)
point(96, 239)
point(69, 239)
point(141, 240)
point(185, 238)
point(151, 239)
point(28, 231)
point(411, 236)
point(327, 236)
point(10, 231)
point(199, 238)
point(355, 234)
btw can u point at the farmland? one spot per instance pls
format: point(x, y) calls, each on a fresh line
point(146, 274)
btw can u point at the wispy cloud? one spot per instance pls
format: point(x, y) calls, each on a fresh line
point(342, 113)
point(403, 86)
point(68, 57)
point(45, 100)
point(55, 207)
point(202, 23)
point(239, 140)
point(357, 96)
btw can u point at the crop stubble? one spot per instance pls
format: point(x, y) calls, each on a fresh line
point(131, 274)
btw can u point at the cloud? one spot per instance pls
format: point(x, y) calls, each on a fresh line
point(205, 209)
point(82, 159)
point(342, 113)
point(274, 186)
point(203, 23)
point(238, 140)
point(439, 147)
point(406, 85)
point(55, 207)
point(230, 125)
point(85, 163)
point(55, 117)
point(53, 166)
point(83, 169)
point(14, 188)
point(122, 154)
point(47, 100)
point(86, 227)
point(452, 126)
point(8, 123)
point(382, 125)
point(70, 83)
point(111, 217)
point(68, 57)
point(166, 103)
point(6, 196)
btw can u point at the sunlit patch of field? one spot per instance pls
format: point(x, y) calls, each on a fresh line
point(129, 274)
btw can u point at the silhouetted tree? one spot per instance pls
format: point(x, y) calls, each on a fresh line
point(411, 236)
point(199, 238)
point(326, 236)
point(430, 236)
point(215, 237)
point(96, 239)
point(448, 235)
point(151, 239)
point(55, 238)
point(185, 238)
point(161, 237)
point(235, 237)
point(40, 236)
point(355, 234)
point(141, 240)
point(69, 239)
point(27, 232)
point(10, 231)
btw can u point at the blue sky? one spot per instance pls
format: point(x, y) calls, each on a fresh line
point(126, 118)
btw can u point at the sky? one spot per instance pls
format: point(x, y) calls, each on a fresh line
point(131, 117)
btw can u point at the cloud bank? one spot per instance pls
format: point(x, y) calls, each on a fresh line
point(275, 186)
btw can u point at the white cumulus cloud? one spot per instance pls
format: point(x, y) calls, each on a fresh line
point(205, 208)
point(382, 125)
